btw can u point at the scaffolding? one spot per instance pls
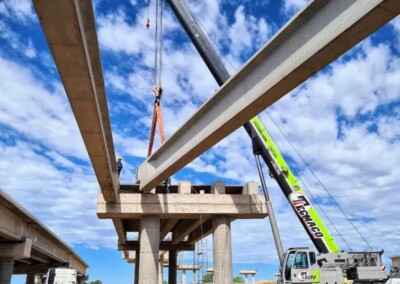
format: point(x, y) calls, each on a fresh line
point(200, 259)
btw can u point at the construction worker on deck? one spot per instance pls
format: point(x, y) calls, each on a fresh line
point(119, 165)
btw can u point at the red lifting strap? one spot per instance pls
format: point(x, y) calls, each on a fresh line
point(157, 119)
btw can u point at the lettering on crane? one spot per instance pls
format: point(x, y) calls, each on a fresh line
point(304, 276)
point(302, 206)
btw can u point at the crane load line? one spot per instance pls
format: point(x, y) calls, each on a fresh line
point(157, 90)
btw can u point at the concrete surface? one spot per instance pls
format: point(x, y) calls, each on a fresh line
point(187, 216)
point(71, 34)
point(32, 246)
point(6, 269)
point(316, 36)
point(222, 249)
point(149, 249)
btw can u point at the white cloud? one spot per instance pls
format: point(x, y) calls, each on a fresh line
point(18, 43)
point(354, 166)
point(357, 164)
point(291, 6)
point(247, 33)
point(21, 10)
point(55, 196)
point(30, 51)
point(29, 108)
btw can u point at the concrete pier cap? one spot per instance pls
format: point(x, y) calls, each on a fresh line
point(167, 223)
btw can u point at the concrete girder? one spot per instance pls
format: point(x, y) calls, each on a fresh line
point(312, 39)
point(201, 232)
point(184, 228)
point(166, 227)
point(73, 43)
point(119, 227)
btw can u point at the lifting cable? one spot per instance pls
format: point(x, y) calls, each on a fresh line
point(323, 186)
point(157, 89)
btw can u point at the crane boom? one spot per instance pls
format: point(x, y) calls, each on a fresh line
point(287, 181)
point(307, 214)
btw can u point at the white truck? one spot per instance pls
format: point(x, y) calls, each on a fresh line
point(62, 276)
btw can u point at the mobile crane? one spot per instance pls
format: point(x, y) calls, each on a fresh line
point(297, 265)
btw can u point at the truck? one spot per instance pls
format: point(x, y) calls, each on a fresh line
point(329, 264)
point(61, 276)
point(395, 269)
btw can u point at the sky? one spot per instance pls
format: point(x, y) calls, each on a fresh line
point(344, 122)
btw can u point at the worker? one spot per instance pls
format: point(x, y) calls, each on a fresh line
point(167, 184)
point(119, 165)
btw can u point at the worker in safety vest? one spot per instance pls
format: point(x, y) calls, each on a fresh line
point(119, 165)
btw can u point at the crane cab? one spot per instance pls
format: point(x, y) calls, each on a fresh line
point(300, 266)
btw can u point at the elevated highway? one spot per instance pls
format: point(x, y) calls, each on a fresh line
point(29, 247)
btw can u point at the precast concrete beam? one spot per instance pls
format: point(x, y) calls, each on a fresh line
point(201, 232)
point(70, 31)
point(312, 39)
point(121, 232)
point(184, 228)
point(166, 227)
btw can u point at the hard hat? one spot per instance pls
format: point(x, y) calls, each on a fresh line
point(119, 158)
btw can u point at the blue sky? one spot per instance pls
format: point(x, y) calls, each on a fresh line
point(344, 121)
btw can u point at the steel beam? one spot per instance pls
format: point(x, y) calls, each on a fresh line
point(70, 31)
point(316, 36)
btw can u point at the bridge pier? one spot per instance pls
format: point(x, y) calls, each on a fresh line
point(172, 267)
point(30, 278)
point(149, 249)
point(6, 269)
point(222, 249)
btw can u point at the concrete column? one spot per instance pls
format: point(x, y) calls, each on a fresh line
point(137, 261)
point(172, 267)
point(194, 277)
point(246, 277)
point(222, 250)
point(252, 278)
point(183, 276)
point(6, 269)
point(160, 270)
point(30, 278)
point(149, 249)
